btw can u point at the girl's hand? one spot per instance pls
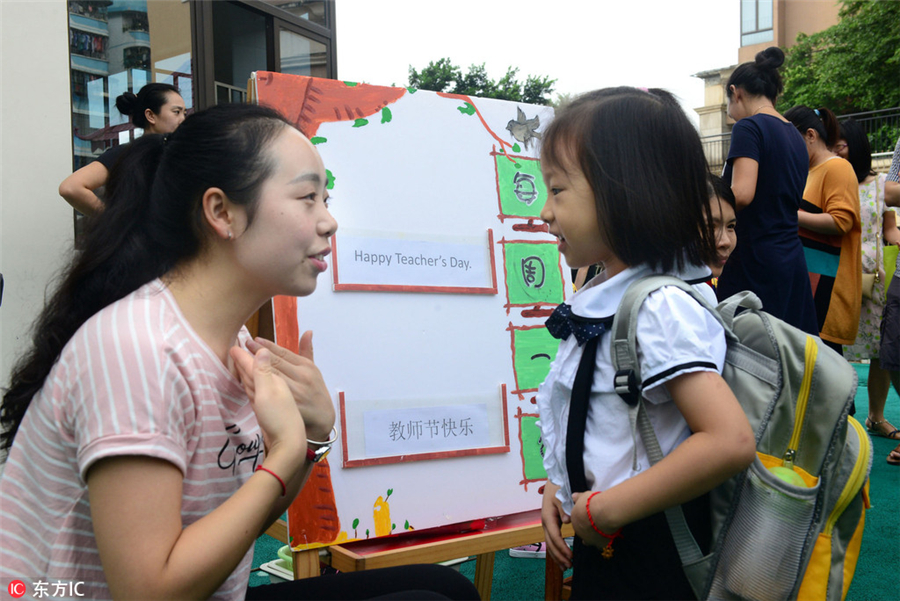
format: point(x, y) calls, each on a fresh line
point(582, 523)
point(281, 423)
point(304, 381)
point(552, 515)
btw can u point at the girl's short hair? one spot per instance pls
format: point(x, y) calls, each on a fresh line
point(152, 96)
point(761, 77)
point(645, 163)
point(718, 188)
point(821, 120)
point(859, 151)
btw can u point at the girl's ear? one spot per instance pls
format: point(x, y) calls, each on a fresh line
point(222, 215)
point(150, 116)
point(811, 135)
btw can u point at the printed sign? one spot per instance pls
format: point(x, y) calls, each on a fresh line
point(425, 430)
point(373, 261)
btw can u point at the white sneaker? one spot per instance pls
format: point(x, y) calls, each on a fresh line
point(533, 550)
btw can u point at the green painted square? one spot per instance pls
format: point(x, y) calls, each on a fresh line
point(534, 350)
point(521, 186)
point(533, 273)
point(531, 448)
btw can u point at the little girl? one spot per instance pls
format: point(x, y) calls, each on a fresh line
point(627, 183)
point(150, 440)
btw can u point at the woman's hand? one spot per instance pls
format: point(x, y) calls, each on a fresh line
point(304, 380)
point(552, 515)
point(279, 419)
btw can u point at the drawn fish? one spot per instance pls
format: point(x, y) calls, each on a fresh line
point(523, 129)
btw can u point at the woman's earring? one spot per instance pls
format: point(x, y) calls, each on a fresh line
point(230, 235)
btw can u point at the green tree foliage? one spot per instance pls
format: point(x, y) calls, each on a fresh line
point(850, 67)
point(444, 76)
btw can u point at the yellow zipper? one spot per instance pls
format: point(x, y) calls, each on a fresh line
point(812, 351)
point(856, 479)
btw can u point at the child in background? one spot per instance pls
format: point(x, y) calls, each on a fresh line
point(722, 209)
point(627, 183)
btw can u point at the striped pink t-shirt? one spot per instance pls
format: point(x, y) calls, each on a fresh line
point(134, 380)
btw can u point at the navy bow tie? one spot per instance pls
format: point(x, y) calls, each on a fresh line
point(562, 323)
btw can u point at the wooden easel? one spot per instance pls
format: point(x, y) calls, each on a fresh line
point(509, 531)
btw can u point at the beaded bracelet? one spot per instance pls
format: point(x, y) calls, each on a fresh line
point(280, 481)
point(607, 552)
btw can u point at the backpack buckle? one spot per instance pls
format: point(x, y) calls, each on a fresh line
point(626, 386)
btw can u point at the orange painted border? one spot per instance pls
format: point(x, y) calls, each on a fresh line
point(339, 287)
point(347, 463)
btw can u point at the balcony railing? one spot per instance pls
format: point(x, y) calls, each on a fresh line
point(715, 148)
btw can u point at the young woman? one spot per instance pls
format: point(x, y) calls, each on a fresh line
point(766, 168)
point(830, 228)
point(627, 188)
point(150, 440)
point(157, 108)
point(878, 227)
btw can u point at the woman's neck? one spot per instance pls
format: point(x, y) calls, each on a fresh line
point(213, 301)
point(818, 154)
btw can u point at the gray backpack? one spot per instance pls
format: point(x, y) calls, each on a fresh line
point(771, 539)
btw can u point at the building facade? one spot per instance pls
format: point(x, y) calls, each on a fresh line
point(763, 23)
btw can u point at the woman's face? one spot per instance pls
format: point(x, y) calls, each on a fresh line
point(735, 103)
point(726, 237)
point(170, 115)
point(283, 249)
point(841, 149)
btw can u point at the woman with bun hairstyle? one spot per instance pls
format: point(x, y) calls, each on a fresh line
point(766, 169)
point(830, 228)
point(158, 108)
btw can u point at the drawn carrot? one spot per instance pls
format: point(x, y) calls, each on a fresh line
point(312, 517)
point(382, 515)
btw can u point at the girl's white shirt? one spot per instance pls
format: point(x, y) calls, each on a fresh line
point(675, 336)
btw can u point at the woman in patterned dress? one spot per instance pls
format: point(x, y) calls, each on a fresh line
point(877, 220)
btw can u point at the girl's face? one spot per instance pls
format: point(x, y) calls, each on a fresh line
point(726, 238)
point(571, 215)
point(170, 115)
point(283, 250)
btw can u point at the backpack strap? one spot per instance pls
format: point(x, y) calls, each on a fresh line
point(628, 385)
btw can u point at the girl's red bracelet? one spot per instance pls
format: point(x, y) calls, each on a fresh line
point(280, 481)
point(608, 551)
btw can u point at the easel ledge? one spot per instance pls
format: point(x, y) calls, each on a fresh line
point(503, 533)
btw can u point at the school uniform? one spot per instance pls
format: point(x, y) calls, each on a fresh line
point(675, 336)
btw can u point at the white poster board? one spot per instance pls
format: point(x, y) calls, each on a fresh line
point(430, 335)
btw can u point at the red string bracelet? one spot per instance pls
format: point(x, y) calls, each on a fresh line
point(607, 552)
point(281, 482)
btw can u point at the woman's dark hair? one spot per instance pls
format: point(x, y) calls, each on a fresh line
point(859, 151)
point(822, 120)
point(761, 77)
point(153, 221)
point(718, 187)
point(644, 161)
point(152, 96)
